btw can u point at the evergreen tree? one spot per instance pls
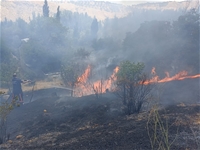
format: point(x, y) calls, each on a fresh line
point(45, 9)
point(58, 14)
point(94, 28)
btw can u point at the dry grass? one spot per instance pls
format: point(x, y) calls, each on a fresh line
point(41, 85)
point(37, 85)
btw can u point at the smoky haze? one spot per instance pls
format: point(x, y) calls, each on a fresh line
point(165, 39)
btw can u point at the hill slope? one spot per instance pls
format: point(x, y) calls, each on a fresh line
point(24, 9)
point(100, 9)
point(90, 123)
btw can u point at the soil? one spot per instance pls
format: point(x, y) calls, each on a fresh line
point(57, 121)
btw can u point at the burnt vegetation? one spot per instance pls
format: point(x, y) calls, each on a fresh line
point(133, 113)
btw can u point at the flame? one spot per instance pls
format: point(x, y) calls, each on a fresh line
point(179, 76)
point(106, 84)
point(83, 78)
point(153, 71)
point(85, 87)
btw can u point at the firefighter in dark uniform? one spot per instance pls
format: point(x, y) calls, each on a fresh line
point(17, 87)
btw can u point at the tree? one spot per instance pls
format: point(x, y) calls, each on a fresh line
point(131, 85)
point(8, 64)
point(47, 45)
point(69, 74)
point(73, 70)
point(45, 9)
point(82, 54)
point(186, 30)
point(58, 14)
point(94, 28)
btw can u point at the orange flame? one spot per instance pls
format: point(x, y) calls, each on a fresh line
point(179, 76)
point(106, 84)
point(83, 78)
point(85, 87)
point(153, 71)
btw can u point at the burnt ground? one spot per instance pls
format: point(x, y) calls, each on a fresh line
point(61, 122)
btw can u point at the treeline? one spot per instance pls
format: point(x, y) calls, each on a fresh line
point(169, 46)
point(46, 44)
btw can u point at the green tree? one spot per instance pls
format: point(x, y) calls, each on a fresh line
point(49, 32)
point(45, 9)
point(186, 31)
point(47, 45)
point(70, 74)
point(72, 70)
point(8, 64)
point(131, 85)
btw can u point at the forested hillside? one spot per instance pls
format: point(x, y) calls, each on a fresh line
point(167, 40)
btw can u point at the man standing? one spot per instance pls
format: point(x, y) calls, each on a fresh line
point(17, 88)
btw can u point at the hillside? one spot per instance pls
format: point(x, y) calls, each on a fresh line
point(90, 123)
point(100, 9)
point(53, 120)
point(24, 9)
point(169, 5)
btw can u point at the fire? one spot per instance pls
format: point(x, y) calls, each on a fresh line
point(179, 76)
point(83, 78)
point(153, 71)
point(106, 84)
point(86, 87)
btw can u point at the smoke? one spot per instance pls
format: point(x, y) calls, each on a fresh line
point(166, 40)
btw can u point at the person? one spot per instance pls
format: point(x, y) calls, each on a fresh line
point(17, 87)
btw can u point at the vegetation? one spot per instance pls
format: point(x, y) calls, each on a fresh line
point(158, 130)
point(72, 68)
point(8, 65)
point(94, 28)
point(70, 76)
point(131, 86)
point(52, 43)
point(45, 9)
point(5, 109)
point(58, 14)
point(165, 42)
